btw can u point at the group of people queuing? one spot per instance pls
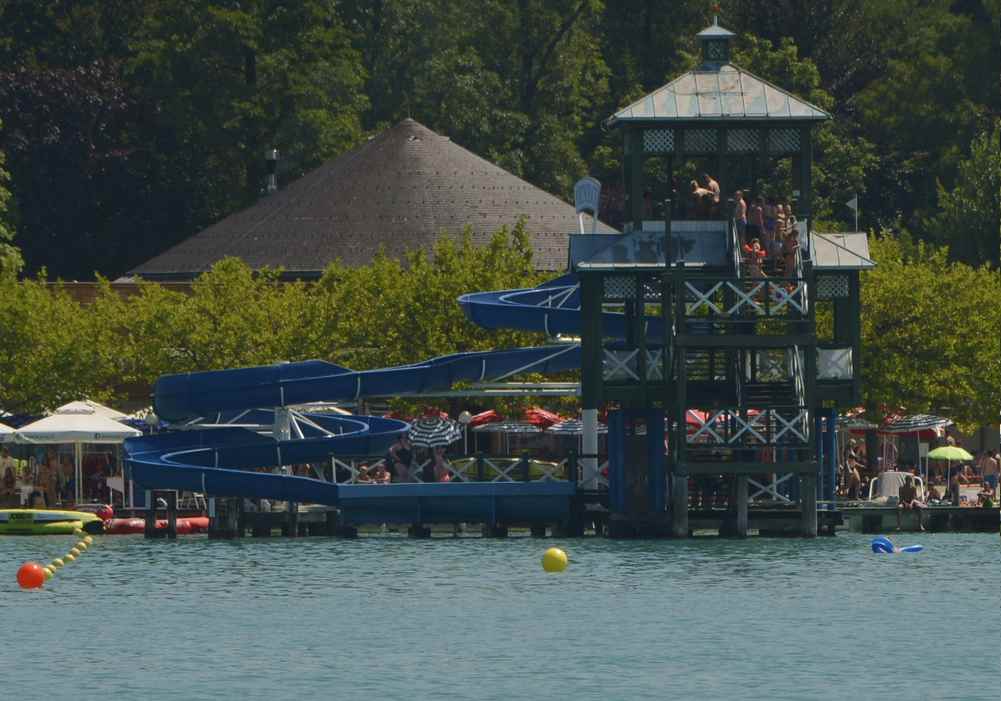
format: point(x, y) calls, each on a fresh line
point(768, 232)
point(49, 478)
point(402, 458)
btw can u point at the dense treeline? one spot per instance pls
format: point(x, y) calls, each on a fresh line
point(929, 326)
point(130, 124)
point(55, 349)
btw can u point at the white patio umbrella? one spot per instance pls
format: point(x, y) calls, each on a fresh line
point(6, 433)
point(75, 423)
point(86, 406)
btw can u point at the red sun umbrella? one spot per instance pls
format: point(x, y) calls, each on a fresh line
point(540, 417)
point(485, 417)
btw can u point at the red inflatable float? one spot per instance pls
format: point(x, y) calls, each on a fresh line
point(185, 526)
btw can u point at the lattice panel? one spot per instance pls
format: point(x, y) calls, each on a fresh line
point(832, 286)
point(743, 141)
point(701, 141)
point(658, 140)
point(655, 365)
point(620, 287)
point(783, 141)
point(652, 290)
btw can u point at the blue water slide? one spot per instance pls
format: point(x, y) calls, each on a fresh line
point(190, 395)
point(220, 460)
point(552, 308)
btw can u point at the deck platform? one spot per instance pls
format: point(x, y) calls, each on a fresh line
point(937, 519)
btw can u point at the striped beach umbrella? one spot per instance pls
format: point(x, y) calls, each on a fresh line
point(507, 427)
point(573, 427)
point(914, 424)
point(433, 432)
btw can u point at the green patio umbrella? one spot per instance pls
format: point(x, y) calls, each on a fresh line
point(949, 453)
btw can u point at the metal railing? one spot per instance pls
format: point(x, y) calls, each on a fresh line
point(479, 468)
point(732, 428)
point(727, 299)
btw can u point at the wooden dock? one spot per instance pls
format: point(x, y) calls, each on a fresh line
point(936, 519)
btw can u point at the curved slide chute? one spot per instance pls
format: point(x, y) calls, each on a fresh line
point(219, 460)
point(183, 397)
point(552, 308)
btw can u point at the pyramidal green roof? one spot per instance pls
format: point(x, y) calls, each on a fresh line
point(716, 93)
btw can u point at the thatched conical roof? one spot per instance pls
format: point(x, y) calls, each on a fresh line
point(401, 190)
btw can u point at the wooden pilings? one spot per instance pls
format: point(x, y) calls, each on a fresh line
point(225, 523)
point(170, 499)
point(741, 503)
point(679, 506)
point(808, 505)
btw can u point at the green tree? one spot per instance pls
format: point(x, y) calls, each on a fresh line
point(516, 82)
point(47, 353)
point(970, 218)
point(223, 82)
point(842, 162)
point(930, 334)
point(10, 257)
point(394, 313)
point(927, 101)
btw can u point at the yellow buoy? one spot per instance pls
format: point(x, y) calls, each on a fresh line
point(81, 546)
point(88, 539)
point(77, 531)
point(554, 560)
point(57, 563)
point(69, 557)
point(74, 551)
point(48, 571)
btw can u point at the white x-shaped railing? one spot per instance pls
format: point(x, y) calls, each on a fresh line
point(770, 488)
point(784, 296)
point(620, 364)
point(496, 470)
point(728, 427)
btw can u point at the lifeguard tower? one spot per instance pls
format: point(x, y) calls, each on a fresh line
point(724, 378)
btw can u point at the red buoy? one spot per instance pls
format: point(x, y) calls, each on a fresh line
point(30, 575)
point(105, 513)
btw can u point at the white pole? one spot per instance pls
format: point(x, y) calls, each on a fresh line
point(589, 420)
point(78, 459)
point(856, 211)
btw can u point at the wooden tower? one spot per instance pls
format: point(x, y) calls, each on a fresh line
point(715, 373)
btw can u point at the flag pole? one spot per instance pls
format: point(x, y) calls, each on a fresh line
point(856, 211)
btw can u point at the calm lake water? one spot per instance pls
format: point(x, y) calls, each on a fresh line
point(392, 618)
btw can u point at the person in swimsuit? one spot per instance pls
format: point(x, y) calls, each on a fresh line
point(740, 215)
point(770, 216)
point(789, 248)
point(713, 187)
point(907, 499)
point(401, 455)
point(756, 221)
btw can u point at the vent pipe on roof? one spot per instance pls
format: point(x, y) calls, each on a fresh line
point(587, 199)
point(271, 156)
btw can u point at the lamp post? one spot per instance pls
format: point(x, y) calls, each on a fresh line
point(464, 418)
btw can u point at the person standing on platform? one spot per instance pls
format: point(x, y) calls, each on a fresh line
point(989, 469)
point(401, 456)
point(740, 215)
point(713, 187)
point(756, 219)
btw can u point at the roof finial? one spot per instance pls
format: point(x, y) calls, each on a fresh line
point(715, 9)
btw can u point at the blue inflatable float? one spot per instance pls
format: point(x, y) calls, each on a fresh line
point(882, 544)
